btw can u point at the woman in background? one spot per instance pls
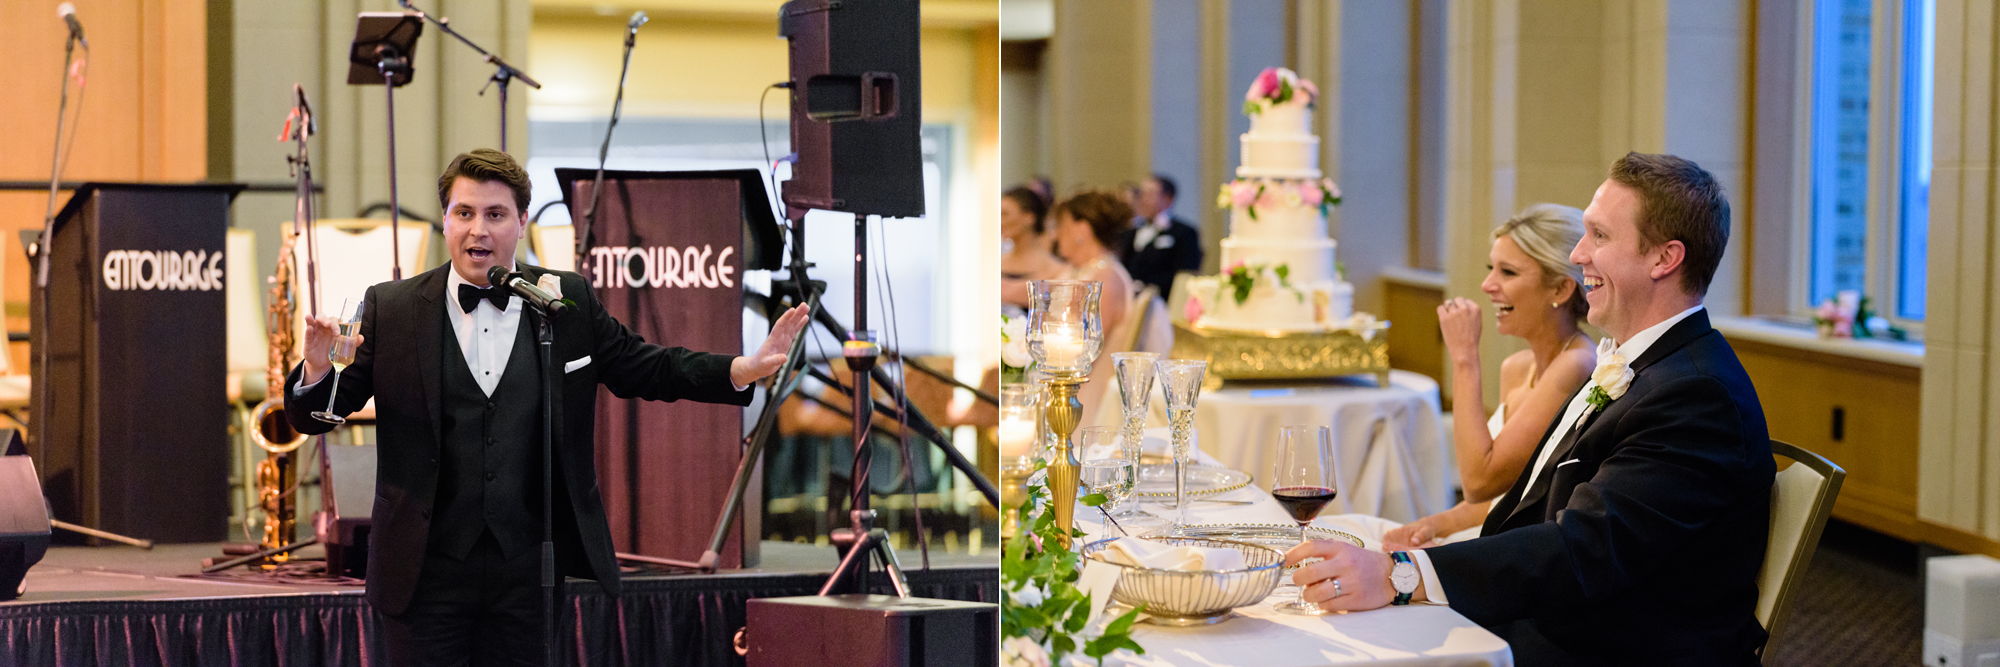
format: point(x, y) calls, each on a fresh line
point(1029, 250)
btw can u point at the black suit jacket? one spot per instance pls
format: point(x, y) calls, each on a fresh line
point(1157, 263)
point(1646, 549)
point(399, 364)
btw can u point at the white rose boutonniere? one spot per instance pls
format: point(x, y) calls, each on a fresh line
point(552, 284)
point(1612, 377)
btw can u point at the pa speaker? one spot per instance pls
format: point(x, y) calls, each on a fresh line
point(855, 107)
point(24, 521)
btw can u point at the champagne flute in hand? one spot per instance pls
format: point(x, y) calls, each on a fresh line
point(340, 354)
point(1302, 481)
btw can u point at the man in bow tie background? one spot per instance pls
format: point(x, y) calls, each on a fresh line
point(1158, 245)
point(454, 552)
point(1636, 535)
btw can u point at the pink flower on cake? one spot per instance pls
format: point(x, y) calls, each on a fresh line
point(1332, 190)
point(1233, 266)
point(1266, 85)
point(1312, 91)
point(1311, 194)
point(1193, 310)
point(1244, 193)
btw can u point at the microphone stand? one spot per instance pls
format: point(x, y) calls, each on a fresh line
point(503, 73)
point(392, 63)
point(40, 384)
point(40, 391)
point(544, 345)
point(604, 151)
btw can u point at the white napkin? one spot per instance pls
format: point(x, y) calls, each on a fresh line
point(1136, 552)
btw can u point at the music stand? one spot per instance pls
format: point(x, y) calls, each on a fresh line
point(384, 43)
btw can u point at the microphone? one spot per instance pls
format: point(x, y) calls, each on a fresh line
point(499, 276)
point(638, 19)
point(68, 13)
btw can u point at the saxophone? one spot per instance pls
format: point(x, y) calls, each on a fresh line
point(277, 474)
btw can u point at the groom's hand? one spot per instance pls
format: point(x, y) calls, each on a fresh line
point(770, 355)
point(1363, 575)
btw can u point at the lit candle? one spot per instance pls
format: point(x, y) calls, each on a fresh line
point(1017, 437)
point(1061, 349)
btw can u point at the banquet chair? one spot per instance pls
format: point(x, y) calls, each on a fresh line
point(355, 254)
point(1801, 499)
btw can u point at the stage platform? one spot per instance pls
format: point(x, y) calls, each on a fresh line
point(104, 606)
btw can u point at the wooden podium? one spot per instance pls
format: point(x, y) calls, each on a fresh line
point(130, 418)
point(668, 258)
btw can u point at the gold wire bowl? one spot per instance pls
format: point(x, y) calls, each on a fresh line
point(1196, 597)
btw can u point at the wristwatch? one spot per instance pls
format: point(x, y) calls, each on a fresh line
point(1403, 577)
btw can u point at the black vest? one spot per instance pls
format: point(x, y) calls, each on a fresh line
point(489, 472)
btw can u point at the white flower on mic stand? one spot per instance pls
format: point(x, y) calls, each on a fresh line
point(552, 284)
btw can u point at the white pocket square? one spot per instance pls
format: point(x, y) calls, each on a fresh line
point(1559, 465)
point(579, 363)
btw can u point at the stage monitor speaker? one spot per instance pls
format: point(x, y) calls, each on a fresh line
point(871, 631)
point(24, 521)
point(855, 107)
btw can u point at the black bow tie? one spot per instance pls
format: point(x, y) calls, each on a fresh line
point(469, 297)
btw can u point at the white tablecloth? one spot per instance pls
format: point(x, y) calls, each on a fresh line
point(1423, 635)
point(1392, 455)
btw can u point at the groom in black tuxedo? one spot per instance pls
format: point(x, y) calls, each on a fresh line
point(454, 556)
point(1636, 535)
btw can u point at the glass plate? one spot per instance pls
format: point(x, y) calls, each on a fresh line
point(1279, 536)
point(1157, 481)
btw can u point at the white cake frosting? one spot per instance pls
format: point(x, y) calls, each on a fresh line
point(1277, 224)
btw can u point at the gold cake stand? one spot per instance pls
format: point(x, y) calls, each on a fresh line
point(1272, 355)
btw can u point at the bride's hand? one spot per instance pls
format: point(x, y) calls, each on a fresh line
point(1414, 535)
point(1459, 320)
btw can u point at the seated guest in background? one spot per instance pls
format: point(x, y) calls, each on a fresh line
point(1636, 535)
point(1537, 295)
point(1029, 254)
point(1087, 228)
point(1159, 245)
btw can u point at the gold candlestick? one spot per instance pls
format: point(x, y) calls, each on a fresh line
point(1064, 413)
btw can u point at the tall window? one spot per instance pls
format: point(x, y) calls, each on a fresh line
point(1913, 218)
point(1868, 229)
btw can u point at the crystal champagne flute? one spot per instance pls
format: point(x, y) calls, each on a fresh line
point(1135, 387)
point(340, 354)
point(1181, 381)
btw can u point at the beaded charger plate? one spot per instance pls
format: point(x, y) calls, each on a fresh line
point(1281, 537)
point(1157, 481)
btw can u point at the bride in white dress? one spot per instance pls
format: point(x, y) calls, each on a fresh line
point(1537, 296)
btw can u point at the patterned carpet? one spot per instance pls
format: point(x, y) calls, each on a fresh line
point(1861, 603)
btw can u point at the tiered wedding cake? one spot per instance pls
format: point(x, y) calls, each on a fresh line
point(1278, 268)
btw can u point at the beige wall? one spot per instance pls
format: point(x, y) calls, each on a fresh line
point(1960, 452)
point(1097, 79)
point(1546, 94)
point(143, 113)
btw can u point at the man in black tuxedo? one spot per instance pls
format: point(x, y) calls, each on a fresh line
point(454, 556)
point(1637, 534)
point(1158, 245)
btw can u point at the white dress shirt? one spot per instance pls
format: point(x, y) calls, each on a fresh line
point(485, 335)
point(1630, 350)
point(1149, 229)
